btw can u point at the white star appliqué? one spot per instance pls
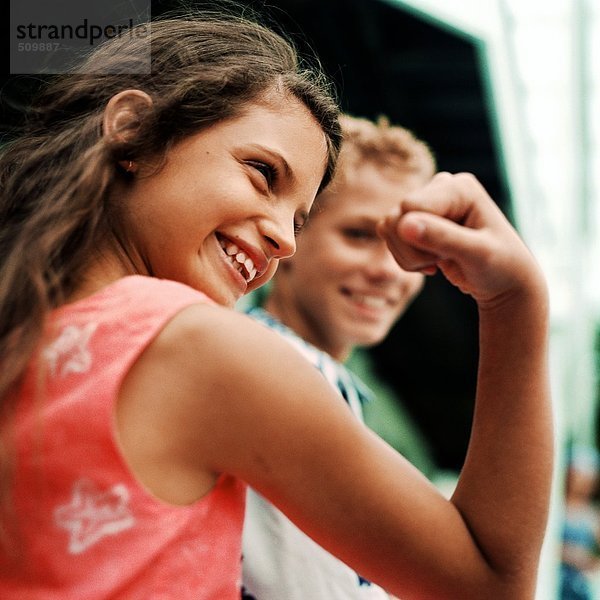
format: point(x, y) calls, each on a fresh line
point(69, 352)
point(93, 514)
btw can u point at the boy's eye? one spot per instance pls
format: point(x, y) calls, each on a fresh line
point(359, 234)
point(298, 226)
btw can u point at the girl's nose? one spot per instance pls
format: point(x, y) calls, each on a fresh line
point(280, 237)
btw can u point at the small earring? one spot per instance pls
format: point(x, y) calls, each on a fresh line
point(128, 166)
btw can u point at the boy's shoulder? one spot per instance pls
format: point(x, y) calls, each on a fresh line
point(349, 385)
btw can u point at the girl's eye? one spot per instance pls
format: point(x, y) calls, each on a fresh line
point(269, 172)
point(298, 226)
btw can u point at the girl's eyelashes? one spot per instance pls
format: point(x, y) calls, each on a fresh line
point(268, 171)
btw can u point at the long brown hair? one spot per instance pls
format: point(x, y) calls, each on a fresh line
point(56, 178)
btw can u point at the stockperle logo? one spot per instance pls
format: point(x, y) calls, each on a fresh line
point(53, 36)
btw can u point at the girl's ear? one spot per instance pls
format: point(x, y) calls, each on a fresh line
point(123, 114)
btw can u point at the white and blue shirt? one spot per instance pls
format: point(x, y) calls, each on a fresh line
point(280, 562)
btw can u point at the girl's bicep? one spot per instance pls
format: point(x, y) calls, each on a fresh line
point(276, 423)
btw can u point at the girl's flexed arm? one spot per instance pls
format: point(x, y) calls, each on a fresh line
point(232, 396)
point(453, 225)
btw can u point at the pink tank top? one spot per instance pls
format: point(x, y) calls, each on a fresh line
point(87, 528)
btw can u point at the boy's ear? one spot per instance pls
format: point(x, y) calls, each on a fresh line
point(123, 114)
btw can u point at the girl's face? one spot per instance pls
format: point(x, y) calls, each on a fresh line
point(228, 202)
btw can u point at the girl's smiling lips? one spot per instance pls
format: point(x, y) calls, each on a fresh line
point(244, 258)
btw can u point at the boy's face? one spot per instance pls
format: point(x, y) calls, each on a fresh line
point(342, 287)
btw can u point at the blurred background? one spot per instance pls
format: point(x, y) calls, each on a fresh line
point(509, 90)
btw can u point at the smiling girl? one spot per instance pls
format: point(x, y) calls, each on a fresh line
point(136, 404)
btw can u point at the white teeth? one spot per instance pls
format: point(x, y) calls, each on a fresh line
point(371, 301)
point(239, 260)
point(230, 248)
